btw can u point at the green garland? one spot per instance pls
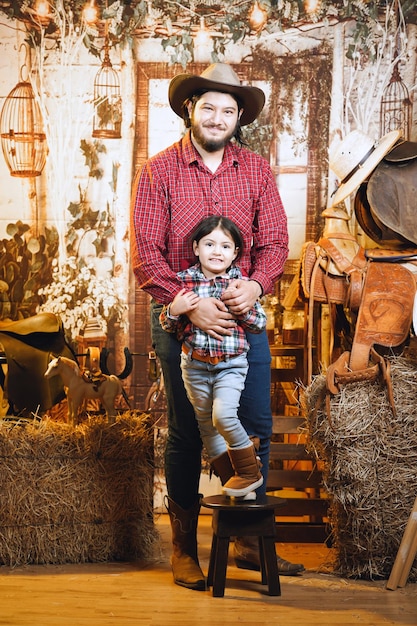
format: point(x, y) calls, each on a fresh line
point(174, 22)
point(297, 81)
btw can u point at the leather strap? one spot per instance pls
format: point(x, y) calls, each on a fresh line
point(359, 357)
point(342, 263)
point(358, 166)
point(336, 369)
point(310, 323)
point(339, 373)
point(356, 280)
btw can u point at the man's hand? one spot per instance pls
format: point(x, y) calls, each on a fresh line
point(212, 316)
point(241, 295)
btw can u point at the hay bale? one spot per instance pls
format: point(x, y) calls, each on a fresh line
point(76, 494)
point(370, 467)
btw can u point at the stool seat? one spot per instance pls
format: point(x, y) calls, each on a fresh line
point(233, 517)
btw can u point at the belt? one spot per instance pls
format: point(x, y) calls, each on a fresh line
point(205, 358)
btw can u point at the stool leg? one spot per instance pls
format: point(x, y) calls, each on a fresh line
point(220, 566)
point(212, 562)
point(264, 577)
point(271, 566)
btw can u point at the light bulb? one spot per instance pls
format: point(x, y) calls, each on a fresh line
point(257, 17)
point(42, 12)
point(311, 6)
point(90, 12)
point(202, 36)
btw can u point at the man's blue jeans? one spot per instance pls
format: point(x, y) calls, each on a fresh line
point(183, 449)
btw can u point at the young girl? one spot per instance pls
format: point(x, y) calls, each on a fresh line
point(214, 370)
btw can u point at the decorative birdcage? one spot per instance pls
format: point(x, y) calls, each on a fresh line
point(22, 137)
point(107, 120)
point(395, 112)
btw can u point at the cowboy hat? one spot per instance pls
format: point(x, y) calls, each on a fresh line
point(355, 158)
point(403, 151)
point(217, 77)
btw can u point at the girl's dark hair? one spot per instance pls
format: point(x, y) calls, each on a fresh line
point(207, 225)
point(238, 136)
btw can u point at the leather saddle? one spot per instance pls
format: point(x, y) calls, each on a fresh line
point(385, 206)
point(372, 225)
point(380, 289)
point(27, 346)
point(384, 319)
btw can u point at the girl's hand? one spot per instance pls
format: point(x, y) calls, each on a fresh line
point(184, 302)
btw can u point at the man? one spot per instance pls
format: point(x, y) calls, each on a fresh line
point(206, 173)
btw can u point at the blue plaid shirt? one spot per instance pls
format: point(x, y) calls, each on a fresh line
point(232, 345)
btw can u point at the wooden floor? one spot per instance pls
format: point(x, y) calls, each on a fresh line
point(130, 593)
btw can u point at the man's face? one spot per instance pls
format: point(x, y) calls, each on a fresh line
point(214, 120)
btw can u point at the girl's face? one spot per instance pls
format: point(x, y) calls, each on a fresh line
point(216, 252)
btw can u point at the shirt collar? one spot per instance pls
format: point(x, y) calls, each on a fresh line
point(191, 155)
point(195, 271)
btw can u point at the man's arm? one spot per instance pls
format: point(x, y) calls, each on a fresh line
point(270, 234)
point(149, 263)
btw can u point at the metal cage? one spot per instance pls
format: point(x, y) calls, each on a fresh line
point(107, 121)
point(22, 137)
point(395, 112)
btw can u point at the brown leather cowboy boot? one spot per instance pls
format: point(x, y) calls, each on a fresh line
point(184, 560)
point(246, 554)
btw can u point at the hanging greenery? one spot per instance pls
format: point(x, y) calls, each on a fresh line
point(303, 88)
point(176, 23)
point(118, 20)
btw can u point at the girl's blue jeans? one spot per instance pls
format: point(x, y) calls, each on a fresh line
point(214, 392)
point(184, 445)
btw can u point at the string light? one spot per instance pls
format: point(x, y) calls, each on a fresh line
point(257, 17)
point(311, 6)
point(90, 12)
point(202, 37)
point(42, 13)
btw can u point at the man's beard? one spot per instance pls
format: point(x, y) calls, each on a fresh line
point(210, 145)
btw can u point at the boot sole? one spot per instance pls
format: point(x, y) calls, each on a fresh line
point(240, 493)
point(200, 585)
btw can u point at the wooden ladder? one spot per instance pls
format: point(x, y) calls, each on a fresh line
point(297, 470)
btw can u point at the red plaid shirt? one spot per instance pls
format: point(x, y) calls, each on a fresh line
point(254, 320)
point(174, 191)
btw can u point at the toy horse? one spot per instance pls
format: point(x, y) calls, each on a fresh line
point(25, 348)
point(80, 387)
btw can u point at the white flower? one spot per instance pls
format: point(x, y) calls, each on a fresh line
point(78, 294)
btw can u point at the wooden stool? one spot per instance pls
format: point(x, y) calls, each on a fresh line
point(243, 518)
